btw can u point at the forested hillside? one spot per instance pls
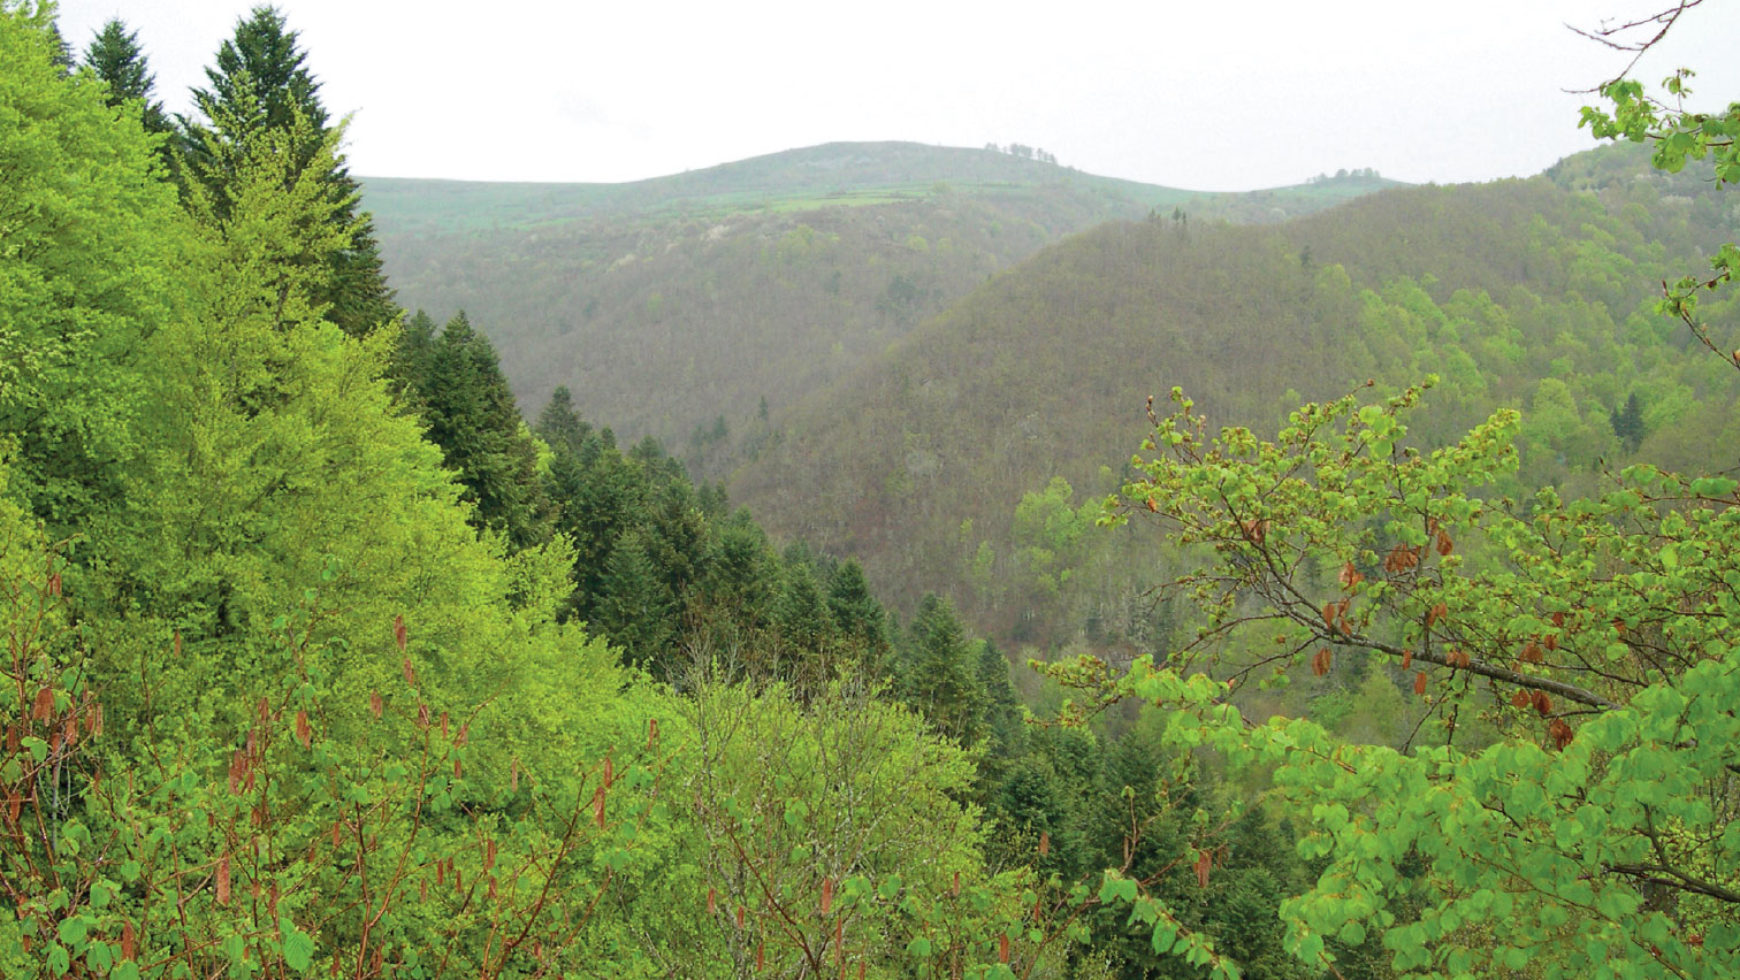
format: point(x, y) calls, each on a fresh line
point(324, 656)
point(736, 290)
point(1534, 294)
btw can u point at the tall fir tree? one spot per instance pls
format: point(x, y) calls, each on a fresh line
point(116, 58)
point(261, 82)
point(938, 674)
point(469, 411)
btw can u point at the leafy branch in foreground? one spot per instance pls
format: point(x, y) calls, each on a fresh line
point(1678, 136)
point(1594, 636)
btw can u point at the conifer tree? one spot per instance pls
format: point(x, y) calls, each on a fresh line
point(937, 673)
point(114, 54)
point(469, 412)
point(560, 425)
point(261, 82)
point(860, 619)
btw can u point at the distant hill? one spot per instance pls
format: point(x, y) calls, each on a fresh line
point(681, 306)
point(1534, 293)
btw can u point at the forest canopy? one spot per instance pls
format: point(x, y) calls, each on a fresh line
point(323, 659)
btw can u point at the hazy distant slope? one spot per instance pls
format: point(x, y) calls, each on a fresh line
point(1517, 292)
point(666, 303)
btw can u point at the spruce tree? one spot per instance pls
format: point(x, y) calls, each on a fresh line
point(116, 58)
point(469, 412)
point(560, 425)
point(261, 82)
point(938, 675)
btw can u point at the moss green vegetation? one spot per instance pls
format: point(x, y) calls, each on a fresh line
point(766, 279)
point(1534, 294)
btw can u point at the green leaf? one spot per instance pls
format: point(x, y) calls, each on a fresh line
point(918, 948)
point(298, 950)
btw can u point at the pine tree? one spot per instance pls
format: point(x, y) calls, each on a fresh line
point(860, 619)
point(1628, 423)
point(938, 675)
point(560, 425)
point(261, 82)
point(469, 412)
point(116, 58)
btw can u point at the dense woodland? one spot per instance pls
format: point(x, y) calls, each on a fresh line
point(745, 287)
point(327, 657)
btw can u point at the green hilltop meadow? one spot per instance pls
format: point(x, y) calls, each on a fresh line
point(870, 560)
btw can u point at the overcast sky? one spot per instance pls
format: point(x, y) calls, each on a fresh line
point(1206, 95)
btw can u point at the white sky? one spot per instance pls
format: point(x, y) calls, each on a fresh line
point(1206, 94)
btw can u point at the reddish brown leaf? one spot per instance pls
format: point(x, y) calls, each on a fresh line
point(1201, 866)
point(760, 957)
point(1558, 619)
point(712, 901)
point(223, 880)
point(1152, 505)
point(1420, 682)
point(955, 889)
point(1407, 659)
point(410, 673)
point(94, 718)
point(1445, 545)
point(399, 636)
point(129, 941)
point(514, 776)
point(1543, 704)
point(376, 705)
point(489, 854)
point(609, 772)
point(652, 733)
point(1349, 576)
point(598, 807)
point(1003, 948)
point(1044, 843)
point(1320, 662)
point(827, 895)
point(492, 886)
point(741, 913)
point(1560, 732)
point(1551, 641)
point(177, 646)
point(304, 732)
point(1330, 611)
point(54, 584)
point(1520, 699)
point(44, 706)
point(1255, 530)
point(1531, 653)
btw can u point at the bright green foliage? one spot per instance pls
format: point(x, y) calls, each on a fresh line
point(1595, 834)
point(1677, 137)
point(92, 244)
point(115, 56)
point(260, 84)
point(826, 822)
